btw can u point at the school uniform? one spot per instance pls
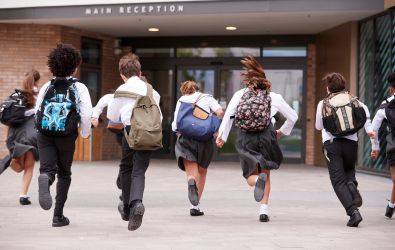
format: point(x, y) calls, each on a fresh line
point(190, 149)
point(341, 155)
point(258, 148)
point(134, 163)
point(376, 124)
point(56, 152)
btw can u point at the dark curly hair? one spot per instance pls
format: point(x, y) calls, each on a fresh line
point(63, 60)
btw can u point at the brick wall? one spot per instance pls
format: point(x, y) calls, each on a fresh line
point(311, 104)
point(26, 46)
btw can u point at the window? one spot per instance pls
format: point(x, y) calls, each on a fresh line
point(155, 52)
point(218, 52)
point(91, 66)
point(284, 52)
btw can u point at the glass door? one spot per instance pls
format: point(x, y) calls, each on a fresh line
point(223, 81)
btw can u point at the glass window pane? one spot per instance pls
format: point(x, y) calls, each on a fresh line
point(155, 52)
point(218, 52)
point(289, 83)
point(284, 52)
point(162, 82)
point(90, 51)
point(91, 78)
point(205, 78)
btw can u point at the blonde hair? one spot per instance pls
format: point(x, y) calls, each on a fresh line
point(189, 87)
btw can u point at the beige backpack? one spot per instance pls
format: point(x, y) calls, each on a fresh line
point(145, 123)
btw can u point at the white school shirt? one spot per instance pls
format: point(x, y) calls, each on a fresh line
point(278, 104)
point(328, 136)
point(207, 102)
point(121, 107)
point(101, 104)
point(84, 103)
point(376, 124)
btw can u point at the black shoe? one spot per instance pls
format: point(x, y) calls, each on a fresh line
point(389, 212)
point(136, 216)
point(356, 196)
point(60, 221)
point(193, 192)
point(263, 218)
point(355, 219)
point(121, 210)
point(120, 197)
point(44, 196)
point(196, 212)
point(260, 187)
point(24, 201)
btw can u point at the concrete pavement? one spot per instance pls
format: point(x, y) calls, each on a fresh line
point(304, 212)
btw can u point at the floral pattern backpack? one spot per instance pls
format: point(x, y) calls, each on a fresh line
point(253, 111)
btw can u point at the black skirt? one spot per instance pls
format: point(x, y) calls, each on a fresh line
point(193, 150)
point(22, 139)
point(258, 150)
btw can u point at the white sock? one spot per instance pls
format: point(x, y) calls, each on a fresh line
point(264, 209)
point(391, 205)
point(23, 196)
point(195, 207)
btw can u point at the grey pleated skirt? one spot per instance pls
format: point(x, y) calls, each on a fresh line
point(258, 150)
point(22, 139)
point(193, 150)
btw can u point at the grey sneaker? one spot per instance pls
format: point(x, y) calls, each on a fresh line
point(44, 196)
point(136, 216)
point(260, 187)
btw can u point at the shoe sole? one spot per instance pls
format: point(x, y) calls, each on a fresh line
point(260, 187)
point(193, 196)
point(357, 198)
point(136, 217)
point(44, 196)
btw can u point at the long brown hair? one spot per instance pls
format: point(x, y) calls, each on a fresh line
point(254, 76)
point(28, 84)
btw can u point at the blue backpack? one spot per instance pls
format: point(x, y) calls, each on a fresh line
point(58, 114)
point(196, 123)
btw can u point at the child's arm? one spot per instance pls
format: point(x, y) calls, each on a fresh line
point(376, 124)
point(290, 115)
point(85, 105)
point(318, 117)
point(98, 109)
point(368, 124)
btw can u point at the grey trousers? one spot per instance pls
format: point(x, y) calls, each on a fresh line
point(133, 166)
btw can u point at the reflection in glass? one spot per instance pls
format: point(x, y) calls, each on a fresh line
point(162, 82)
point(218, 52)
point(91, 78)
point(90, 51)
point(284, 52)
point(205, 78)
point(289, 83)
point(155, 52)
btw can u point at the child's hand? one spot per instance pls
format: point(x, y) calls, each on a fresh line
point(374, 154)
point(279, 134)
point(372, 135)
point(95, 121)
point(220, 143)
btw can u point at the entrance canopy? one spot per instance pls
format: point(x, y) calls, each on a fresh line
point(192, 18)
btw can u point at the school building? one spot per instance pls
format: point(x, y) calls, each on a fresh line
point(297, 42)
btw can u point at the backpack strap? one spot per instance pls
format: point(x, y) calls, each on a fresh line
point(125, 94)
point(150, 90)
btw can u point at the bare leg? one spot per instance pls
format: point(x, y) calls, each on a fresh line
point(266, 193)
point(28, 173)
point(251, 180)
point(393, 184)
point(202, 181)
point(191, 169)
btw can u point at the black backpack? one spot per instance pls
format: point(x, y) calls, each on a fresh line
point(389, 108)
point(342, 114)
point(58, 114)
point(12, 110)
